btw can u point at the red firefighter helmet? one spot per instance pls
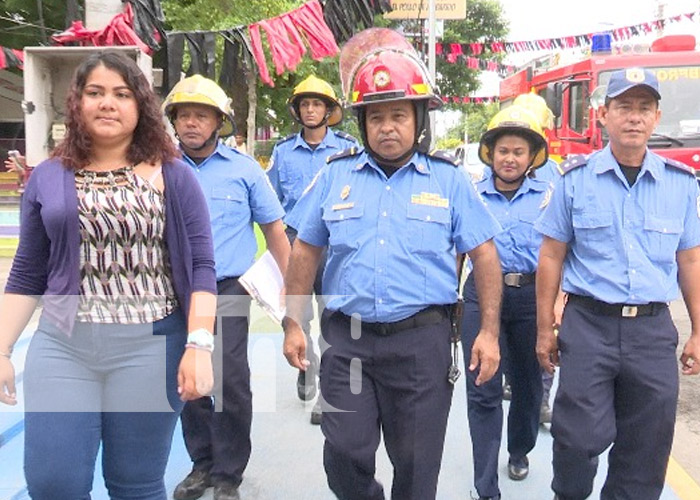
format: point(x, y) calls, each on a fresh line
point(391, 75)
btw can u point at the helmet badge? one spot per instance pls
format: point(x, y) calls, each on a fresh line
point(382, 78)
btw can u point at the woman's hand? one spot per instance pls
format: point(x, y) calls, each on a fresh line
point(195, 377)
point(8, 393)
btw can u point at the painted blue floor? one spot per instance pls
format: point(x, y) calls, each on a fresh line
point(287, 451)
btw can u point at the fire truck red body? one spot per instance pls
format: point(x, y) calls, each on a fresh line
point(568, 90)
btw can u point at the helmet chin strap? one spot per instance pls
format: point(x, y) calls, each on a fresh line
point(519, 180)
point(422, 133)
point(209, 142)
point(320, 124)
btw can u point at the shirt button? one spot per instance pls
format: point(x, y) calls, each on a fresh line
point(634, 271)
point(388, 188)
point(342, 216)
point(381, 301)
point(427, 217)
point(381, 242)
point(379, 270)
point(384, 213)
point(228, 197)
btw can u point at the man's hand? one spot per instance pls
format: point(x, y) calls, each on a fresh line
point(486, 355)
point(547, 349)
point(294, 347)
point(690, 359)
point(195, 376)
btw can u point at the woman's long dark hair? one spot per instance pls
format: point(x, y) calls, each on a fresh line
point(150, 143)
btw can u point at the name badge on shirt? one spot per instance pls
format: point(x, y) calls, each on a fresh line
point(343, 206)
point(429, 199)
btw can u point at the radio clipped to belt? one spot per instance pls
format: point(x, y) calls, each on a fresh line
point(455, 335)
point(456, 310)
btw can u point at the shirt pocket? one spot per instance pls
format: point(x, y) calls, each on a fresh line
point(228, 206)
point(291, 178)
point(429, 229)
point(527, 236)
point(595, 231)
point(344, 227)
point(663, 236)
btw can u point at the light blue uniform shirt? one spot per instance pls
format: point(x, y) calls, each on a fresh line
point(237, 194)
point(294, 164)
point(392, 241)
point(518, 244)
point(623, 241)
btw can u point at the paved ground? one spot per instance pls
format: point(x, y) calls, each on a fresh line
point(287, 451)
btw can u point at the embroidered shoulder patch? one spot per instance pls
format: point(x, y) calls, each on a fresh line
point(346, 153)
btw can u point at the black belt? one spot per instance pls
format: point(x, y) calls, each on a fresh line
point(428, 316)
point(518, 279)
point(619, 310)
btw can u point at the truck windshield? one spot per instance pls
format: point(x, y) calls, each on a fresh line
point(680, 105)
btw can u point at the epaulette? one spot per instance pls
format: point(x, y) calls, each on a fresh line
point(345, 153)
point(680, 166)
point(346, 136)
point(289, 137)
point(572, 163)
point(445, 156)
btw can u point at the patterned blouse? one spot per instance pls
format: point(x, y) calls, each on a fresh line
point(124, 266)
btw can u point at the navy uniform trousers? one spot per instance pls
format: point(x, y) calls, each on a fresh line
point(518, 338)
point(396, 385)
point(618, 385)
point(218, 438)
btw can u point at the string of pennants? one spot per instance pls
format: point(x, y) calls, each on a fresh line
point(469, 99)
point(454, 52)
point(11, 58)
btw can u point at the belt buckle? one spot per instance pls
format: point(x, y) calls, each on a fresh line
point(512, 279)
point(630, 311)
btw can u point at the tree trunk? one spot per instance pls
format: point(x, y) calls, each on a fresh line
point(252, 105)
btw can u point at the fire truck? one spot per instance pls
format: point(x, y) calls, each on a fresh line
point(573, 92)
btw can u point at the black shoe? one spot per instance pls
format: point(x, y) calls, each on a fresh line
point(193, 486)
point(497, 497)
point(506, 391)
point(316, 413)
point(545, 413)
point(306, 384)
point(226, 490)
point(518, 468)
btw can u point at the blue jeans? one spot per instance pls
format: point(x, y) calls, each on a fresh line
point(114, 385)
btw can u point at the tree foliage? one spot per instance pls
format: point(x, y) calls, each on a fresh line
point(472, 125)
point(22, 24)
point(483, 24)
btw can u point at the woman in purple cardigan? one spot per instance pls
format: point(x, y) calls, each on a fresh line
point(115, 240)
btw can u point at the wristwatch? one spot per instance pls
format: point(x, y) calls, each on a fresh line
point(201, 338)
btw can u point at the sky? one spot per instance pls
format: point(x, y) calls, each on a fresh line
point(534, 19)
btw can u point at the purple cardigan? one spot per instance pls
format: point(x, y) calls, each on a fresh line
point(47, 262)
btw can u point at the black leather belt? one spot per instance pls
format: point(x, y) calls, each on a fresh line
point(619, 310)
point(518, 279)
point(428, 316)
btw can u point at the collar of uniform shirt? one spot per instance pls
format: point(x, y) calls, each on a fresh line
point(606, 161)
point(367, 161)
